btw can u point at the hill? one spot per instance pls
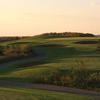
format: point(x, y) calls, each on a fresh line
point(68, 34)
point(60, 66)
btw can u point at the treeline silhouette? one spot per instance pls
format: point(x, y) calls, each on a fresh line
point(69, 34)
point(4, 39)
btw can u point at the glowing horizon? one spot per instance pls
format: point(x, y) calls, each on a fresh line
point(33, 17)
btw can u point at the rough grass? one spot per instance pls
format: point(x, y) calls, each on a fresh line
point(30, 94)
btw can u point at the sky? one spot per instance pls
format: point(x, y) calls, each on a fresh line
point(32, 17)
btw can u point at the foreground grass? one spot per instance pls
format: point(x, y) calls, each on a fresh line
point(30, 94)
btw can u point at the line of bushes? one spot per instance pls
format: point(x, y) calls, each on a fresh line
point(12, 38)
point(79, 78)
point(11, 53)
point(69, 34)
point(17, 50)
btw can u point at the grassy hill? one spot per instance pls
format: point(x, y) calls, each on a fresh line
point(62, 53)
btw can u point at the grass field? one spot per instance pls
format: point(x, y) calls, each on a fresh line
point(62, 53)
point(30, 94)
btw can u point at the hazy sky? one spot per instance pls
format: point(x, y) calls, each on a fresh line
point(29, 17)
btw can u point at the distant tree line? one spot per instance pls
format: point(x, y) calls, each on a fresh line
point(69, 34)
point(4, 39)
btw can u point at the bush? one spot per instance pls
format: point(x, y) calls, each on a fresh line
point(24, 50)
point(94, 80)
point(54, 77)
point(66, 81)
point(11, 53)
point(80, 76)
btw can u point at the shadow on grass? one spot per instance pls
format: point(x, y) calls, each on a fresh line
point(55, 54)
point(25, 80)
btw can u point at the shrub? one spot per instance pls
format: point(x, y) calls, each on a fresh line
point(80, 76)
point(24, 50)
point(66, 81)
point(54, 76)
point(94, 80)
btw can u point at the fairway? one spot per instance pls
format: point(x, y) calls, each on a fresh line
point(63, 56)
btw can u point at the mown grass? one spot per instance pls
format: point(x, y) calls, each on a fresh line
point(63, 56)
point(10, 93)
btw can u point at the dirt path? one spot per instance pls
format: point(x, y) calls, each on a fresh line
point(51, 88)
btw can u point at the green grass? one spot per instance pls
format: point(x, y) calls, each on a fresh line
point(63, 57)
point(8, 93)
